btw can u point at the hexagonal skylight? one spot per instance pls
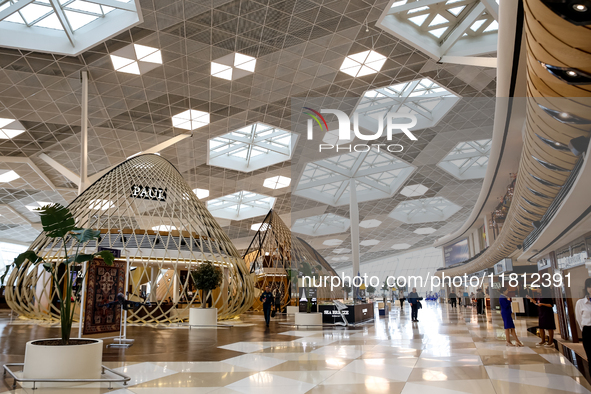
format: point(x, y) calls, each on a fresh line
point(341, 250)
point(332, 242)
point(251, 148)
point(371, 223)
point(277, 182)
point(369, 242)
point(401, 246)
point(424, 98)
point(241, 205)
point(467, 160)
point(424, 210)
point(444, 28)
point(66, 27)
point(414, 190)
point(377, 175)
point(325, 224)
point(424, 230)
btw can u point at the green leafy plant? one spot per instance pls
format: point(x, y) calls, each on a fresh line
point(371, 289)
point(59, 224)
point(207, 277)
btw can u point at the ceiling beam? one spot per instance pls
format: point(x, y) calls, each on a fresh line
point(461, 28)
point(26, 160)
point(492, 7)
point(115, 4)
point(59, 12)
point(470, 61)
point(412, 6)
point(73, 177)
point(11, 9)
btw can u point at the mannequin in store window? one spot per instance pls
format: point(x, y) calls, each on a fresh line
point(583, 316)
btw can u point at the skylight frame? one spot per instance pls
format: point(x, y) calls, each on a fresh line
point(251, 147)
point(68, 40)
point(424, 97)
point(241, 205)
point(320, 225)
point(457, 40)
point(377, 175)
point(473, 155)
point(424, 210)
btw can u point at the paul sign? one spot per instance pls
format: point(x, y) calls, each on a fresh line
point(148, 193)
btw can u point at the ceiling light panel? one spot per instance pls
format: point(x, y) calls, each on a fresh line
point(10, 128)
point(424, 210)
point(190, 119)
point(201, 193)
point(233, 66)
point(251, 148)
point(363, 63)
point(277, 182)
point(136, 59)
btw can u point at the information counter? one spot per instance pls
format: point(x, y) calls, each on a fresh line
point(353, 313)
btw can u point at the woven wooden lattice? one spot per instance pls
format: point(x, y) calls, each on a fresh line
point(164, 231)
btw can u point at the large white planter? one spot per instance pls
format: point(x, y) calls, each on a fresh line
point(292, 310)
point(308, 319)
point(203, 317)
point(63, 362)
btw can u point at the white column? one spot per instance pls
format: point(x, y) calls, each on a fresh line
point(84, 134)
point(354, 218)
point(488, 232)
point(175, 287)
point(153, 285)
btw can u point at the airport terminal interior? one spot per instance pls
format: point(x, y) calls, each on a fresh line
point(295, 196)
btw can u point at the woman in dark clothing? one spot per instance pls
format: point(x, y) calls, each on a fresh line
point(267, 299)
point(506, 314)
point(413, 300)
point(545, 320)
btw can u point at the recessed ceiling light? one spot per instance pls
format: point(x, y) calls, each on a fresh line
point(10, 128)
point(136, 59)
point(164, 227)
point(9, 176)
point(201, 193)
point(363, 63)
point(233, 66)
point(424, 230)
point(190, 119)
point(341, 250)
point(369, 242)
point(277, 182)
point(39, 205)
point(370, 223)
point(401, 246)
point(332, 242)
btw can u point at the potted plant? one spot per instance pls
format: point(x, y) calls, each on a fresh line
point(207, 277)
point(63, 357)
point(371, 290)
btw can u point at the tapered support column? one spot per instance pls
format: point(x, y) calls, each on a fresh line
point(84, 134)
point(153, 285)
point(354, 218)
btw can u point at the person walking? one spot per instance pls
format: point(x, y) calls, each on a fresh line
point(413, 300)
point(401, 299)
point(278, 296)
point(267, 299)
point(545, 318)
point(583, 316)
point(479, 302)
point(453, 298)
point(507, 315)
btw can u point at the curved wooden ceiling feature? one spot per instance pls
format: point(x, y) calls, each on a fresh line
point(556, 113)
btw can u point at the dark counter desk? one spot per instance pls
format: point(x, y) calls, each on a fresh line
point(354, 313)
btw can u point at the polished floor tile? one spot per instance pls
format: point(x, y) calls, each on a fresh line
point(447, 352)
